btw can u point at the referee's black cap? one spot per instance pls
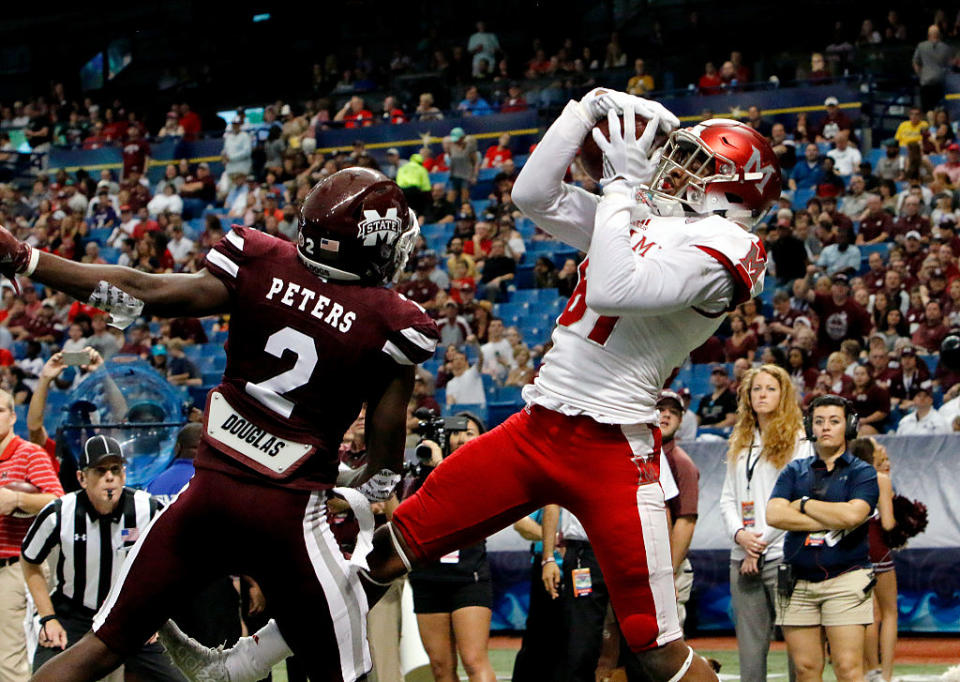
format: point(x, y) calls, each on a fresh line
point(97, 449)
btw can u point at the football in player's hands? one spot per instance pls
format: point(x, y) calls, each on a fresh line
point(591, 158)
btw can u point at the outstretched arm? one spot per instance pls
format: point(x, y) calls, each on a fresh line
point(168, 295)
point(165, 295)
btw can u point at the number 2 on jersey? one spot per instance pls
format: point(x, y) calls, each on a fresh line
point(269, 391)
point(577, 307)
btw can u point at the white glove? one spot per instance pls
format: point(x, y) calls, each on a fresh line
point(625, 157)
point(594, 105)
point(646, 108)
point(598, 102)
point(380, 486)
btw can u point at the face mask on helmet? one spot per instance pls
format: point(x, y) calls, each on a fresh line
point(691, 178)
point(404, 246)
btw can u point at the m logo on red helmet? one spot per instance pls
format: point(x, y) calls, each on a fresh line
point(753, 168)
point(376, 228)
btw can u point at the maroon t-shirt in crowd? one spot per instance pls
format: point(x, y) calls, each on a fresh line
point(419, 290)
point(733, 351)
point(135, 153)
point(907, 223)
point(874, 399)
point(687, 476)
point(787, 318)
point(874, 225)
point(928, 338)
point(303, 354)
point(874, 280)
point(838, 322)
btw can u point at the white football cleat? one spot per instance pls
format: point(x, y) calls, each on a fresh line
point(196, 661)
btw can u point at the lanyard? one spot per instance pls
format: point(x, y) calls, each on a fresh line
point(751, 467)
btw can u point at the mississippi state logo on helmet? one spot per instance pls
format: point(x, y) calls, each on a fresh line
point(719, 166)
point(355, 225)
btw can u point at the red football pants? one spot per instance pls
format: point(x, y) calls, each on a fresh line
point(606, 475)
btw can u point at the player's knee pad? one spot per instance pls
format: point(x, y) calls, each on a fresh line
point(640, 630)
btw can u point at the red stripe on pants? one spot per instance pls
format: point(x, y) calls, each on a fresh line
point(540, 457)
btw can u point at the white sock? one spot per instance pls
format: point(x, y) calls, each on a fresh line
point(252, 658)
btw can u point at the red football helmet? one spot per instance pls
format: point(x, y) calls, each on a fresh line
point(355, 225)
point(719, 166)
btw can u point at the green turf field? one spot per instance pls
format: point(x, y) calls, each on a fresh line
point(502, 660)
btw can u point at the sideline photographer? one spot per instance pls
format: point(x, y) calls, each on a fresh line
point(453, 597)
point(826, 579)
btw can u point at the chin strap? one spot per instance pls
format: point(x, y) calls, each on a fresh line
point(683, 668)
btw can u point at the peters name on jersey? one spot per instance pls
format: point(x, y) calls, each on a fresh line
point(301, 298)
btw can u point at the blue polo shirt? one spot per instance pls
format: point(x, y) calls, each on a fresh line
point(168, 485)
point(807, 176)
point(813, 558)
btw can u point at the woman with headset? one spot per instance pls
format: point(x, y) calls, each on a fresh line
point(453, 597)
point(767, 435)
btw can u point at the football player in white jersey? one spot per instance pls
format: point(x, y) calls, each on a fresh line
point(668, 253)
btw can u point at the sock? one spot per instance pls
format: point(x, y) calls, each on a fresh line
point(253, 658)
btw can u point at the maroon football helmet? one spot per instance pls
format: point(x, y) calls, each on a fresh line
point(355, 225)
point(719, 166)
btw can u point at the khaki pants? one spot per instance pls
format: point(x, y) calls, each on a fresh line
point(683, 579)
point(383, 633)
point(843, 600)
point(13, 610)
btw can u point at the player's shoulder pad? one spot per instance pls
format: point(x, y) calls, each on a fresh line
point(412, 335)
point(741, 253)
point(240, 246)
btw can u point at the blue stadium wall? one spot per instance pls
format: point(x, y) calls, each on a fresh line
point(924, 468)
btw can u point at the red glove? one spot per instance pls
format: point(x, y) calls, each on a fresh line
point(14, 256)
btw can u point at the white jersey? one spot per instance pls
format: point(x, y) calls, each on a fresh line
point(649, 292)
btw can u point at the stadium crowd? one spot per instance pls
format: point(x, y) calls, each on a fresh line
point(863, 279)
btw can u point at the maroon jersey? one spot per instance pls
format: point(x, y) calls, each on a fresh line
point(838, 322)
point(873, 399)
point(874, 280)
point(302, 355)
point(135, 153)
point(876, 224)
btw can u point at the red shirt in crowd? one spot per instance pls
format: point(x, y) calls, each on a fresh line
point(361, 118)
point(496, 155)
point(23, 461)
point(190, 122)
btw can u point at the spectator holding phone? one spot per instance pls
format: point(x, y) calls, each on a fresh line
point(824, 503)
point(768, 434)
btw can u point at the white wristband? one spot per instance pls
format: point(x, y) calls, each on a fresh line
point(32, 264)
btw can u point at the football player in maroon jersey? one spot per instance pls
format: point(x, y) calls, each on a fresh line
point(313, 335)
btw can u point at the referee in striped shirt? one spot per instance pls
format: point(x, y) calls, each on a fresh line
point(94, 528)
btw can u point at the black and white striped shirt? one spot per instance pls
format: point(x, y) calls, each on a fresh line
point(92, 547)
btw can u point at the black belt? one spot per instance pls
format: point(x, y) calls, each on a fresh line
point(9, 561)
point(577, 544)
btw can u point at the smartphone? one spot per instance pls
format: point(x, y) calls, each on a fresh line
point(76, 357)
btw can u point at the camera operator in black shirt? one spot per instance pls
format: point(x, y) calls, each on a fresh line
point(452, 597)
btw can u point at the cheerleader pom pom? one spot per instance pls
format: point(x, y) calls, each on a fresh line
point(911, 518)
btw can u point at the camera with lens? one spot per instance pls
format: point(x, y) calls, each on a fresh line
point(431, 426)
